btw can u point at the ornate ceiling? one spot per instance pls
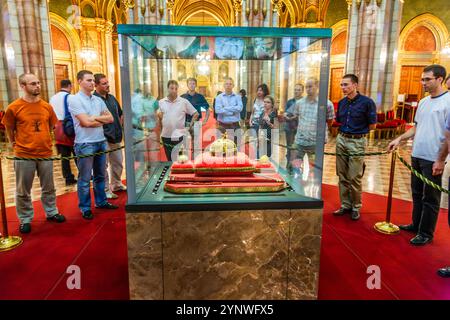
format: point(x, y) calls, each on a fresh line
point(291, 12)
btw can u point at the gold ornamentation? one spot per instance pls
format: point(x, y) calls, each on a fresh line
point(230, 169)
point(170, 4)
point(277, 6)
point(264, 12)
point(152, 6)
point(161, 11)
point(182, 157)
point(109, 27)
point(264, 159)
point(275, 188)
point(237, 5)
point(223, 147)
point(128, 4)
point(143, 9)
point(349, 3)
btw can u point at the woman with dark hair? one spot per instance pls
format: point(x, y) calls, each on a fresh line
point(244, 105)
point(258, 105)
point(267, 123)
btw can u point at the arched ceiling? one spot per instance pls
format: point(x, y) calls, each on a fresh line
point(222, 10)
point(292, 13)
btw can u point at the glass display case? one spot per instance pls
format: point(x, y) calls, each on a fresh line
point(264, 151)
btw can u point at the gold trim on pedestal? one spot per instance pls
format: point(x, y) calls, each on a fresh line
point(216, 189)
point(9, 243)
point(237, 169)
point(386, 227)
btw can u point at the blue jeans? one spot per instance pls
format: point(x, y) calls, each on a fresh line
point(85, 168)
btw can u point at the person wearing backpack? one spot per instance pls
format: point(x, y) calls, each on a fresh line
point(64, 143)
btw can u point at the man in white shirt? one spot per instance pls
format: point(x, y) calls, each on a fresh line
point(89, 114)
point(428, 154)
point(306, 112)
point(172, 115)
point(64, 144)
point(445, 271)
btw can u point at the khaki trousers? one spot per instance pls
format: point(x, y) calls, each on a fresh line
point(115, 165)
point(25, 171)
point(350, 170)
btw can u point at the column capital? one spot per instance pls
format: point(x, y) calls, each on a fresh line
point(237, 5)
point(152, 6)
point(128, 4)
point(278, 5)
point(109, 27)
point(170, 4)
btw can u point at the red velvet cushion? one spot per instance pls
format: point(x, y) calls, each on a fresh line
point(183, 167)
point(206, 164)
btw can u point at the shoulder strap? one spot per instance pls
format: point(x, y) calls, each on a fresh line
point(66, 106)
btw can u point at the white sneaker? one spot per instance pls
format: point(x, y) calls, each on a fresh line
point(110, 195)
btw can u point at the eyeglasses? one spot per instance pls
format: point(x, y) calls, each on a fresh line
point(427, 79)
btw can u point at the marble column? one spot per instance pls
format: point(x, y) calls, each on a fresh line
point(374, 27)
point(110, 66)
point(25, 45)
point(116, 75)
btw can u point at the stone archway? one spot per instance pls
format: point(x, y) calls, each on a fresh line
point(66, 57)
point(420, 44)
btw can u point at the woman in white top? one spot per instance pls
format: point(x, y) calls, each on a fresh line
point(258, 105)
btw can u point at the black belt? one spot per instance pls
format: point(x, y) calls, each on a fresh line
point(352, 136)
point(230, 125)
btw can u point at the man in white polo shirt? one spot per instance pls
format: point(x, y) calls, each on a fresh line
point(89, 114)
point(172, 114)
point(428, 154)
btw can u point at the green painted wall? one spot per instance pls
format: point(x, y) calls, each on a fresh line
point(413, 8)
point(337, 11)
point(60, 7)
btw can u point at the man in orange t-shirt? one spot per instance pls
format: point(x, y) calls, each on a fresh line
point(29, 121)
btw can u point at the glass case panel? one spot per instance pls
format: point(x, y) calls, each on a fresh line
point(225, 116)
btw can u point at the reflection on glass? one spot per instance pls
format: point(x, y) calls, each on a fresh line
point(272, 152)
point(229, 48)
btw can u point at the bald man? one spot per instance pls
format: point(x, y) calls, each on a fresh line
point(29, 121)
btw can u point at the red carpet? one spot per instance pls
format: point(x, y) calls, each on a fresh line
point(37, 269)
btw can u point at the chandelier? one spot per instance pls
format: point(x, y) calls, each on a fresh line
point(203, 57)
point(88, 52)
point(446, 49)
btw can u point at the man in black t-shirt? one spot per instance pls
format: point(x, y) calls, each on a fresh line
point(113, 134)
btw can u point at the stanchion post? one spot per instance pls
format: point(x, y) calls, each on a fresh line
point(7, 242)
point(386, 226)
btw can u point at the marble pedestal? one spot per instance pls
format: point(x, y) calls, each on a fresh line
point(254, 254)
